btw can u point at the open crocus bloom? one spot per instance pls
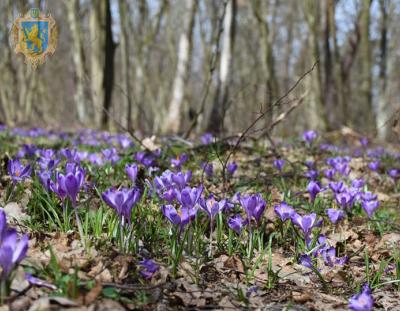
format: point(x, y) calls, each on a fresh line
point(335, 215)
point(189, 197)
point(17, 171)
point(181, 217)
point(284, 211)
point(306, 223)
point(362, 301)
point(236, 223)
point(212, 207)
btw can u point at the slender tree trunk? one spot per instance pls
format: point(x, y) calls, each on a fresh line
point(382, 115)
point(125, 63)
point(215, 121)
point(329, 83)
point(316, 111)
point(78, 59)
point(108, 81)
point(260, 12)
point(367, 122)
point(98, 36)
point(339, 98)
point(173, 119)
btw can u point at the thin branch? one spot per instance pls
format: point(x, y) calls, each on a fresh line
point(262, 115)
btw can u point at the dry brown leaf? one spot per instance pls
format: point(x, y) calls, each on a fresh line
point(92, 295)
point(15, 212)
point(389, 300)
point(301, 297)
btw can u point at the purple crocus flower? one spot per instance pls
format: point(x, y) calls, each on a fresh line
point(12, 249)
point(394, 174)
point(179, 161)
point(362, 301)
point(70, 155)
point(206, 138)
point(313, 188)
point(39, 282)
point(45, 179)
point(374, 165)
point(183, 217)
point(279, 163)
point(111, 155)
point(132, 171)
point(212, 207)
point(73, 182)
point(368, 196)
point(189, 197)
point(309, 136)
point(181, 179)
point(358, 183)
point(306, 223)
point(364, 142)
point(346, 199)
point(232, 167)
point(310, 164)
point(284, 211)
point(58, 186)
point(236, 223)
point(306, 261)
point(208, 169)
point(17, 171)
point(343, 169)
point(337, 187)
point(335, 215)
point(330, 173)
point(149, 268)
point(370, 207)
point(330, 259)
point(122, 201)
point(312, 174)
point(254, 205)
point(164, 181)
point(145, 159)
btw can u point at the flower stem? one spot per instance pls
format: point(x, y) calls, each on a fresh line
point(80, 229)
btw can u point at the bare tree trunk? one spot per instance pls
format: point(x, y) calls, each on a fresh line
point(329, 85)
point(316, 111)
point(215, 121)
point(339, 98)
point(173, 119)
point(78, 59)
point(261, 12)
point(382, 114)
point(365, 108)
point(108, 80)
point(125, 63)
point(98, 37)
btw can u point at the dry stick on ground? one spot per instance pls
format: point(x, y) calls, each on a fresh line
point(262, 115)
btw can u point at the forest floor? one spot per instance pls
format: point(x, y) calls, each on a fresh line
point(159, 256)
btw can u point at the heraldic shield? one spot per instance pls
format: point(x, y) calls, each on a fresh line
point(35, 36)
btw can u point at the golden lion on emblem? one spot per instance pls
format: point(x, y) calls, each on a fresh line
point(34, 38)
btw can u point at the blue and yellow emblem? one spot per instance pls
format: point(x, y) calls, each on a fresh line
point(35, 36)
